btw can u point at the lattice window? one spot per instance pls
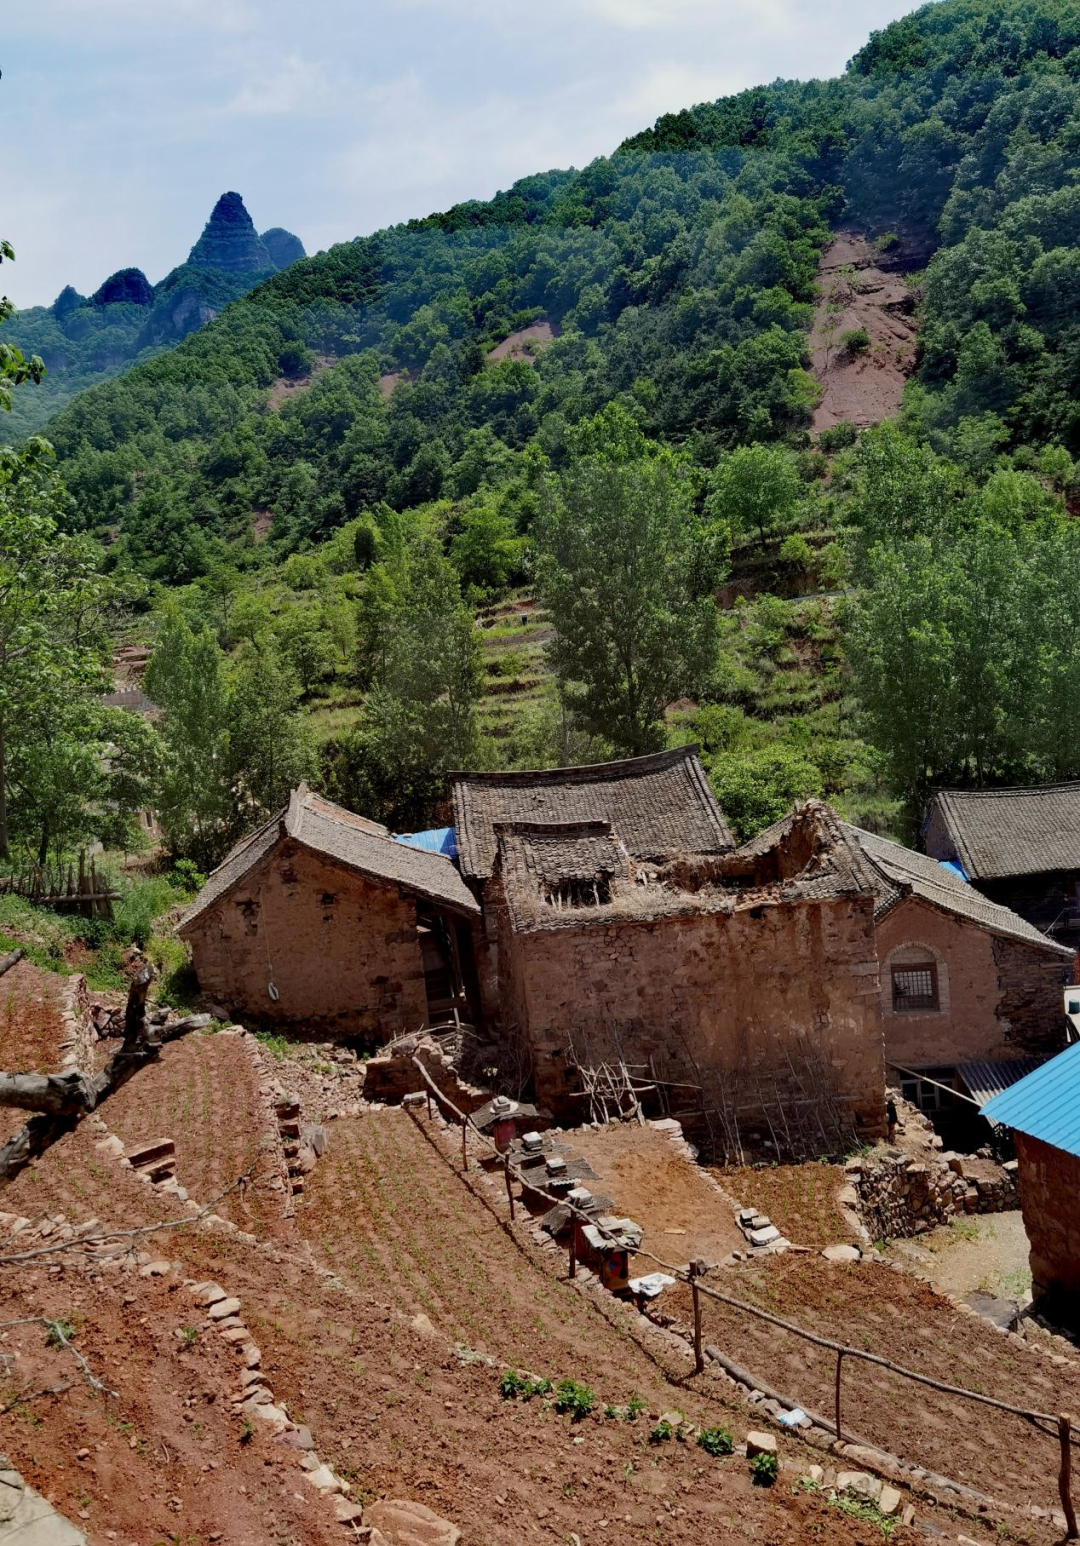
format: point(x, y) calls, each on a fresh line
point(915, 986)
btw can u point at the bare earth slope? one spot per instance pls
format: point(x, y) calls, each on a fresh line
point(862, 388)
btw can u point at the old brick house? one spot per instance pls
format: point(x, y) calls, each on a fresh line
point(1043, 1111)
point(963, 980)
point(1019, 847)
point(659, 805)
point(749, 976)
point(322, 921)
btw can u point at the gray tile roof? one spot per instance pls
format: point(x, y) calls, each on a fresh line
point(340, 835)
point(1003, 832)
point(900, 872)
point(659, 805)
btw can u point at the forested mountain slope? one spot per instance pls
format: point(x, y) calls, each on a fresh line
point(84, 340)
point(596, 392)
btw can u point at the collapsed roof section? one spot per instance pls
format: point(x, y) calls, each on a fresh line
point(344, 838)
point(659, 805)
point(558, 875)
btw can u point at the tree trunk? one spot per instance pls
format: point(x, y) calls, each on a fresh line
point(4, 848)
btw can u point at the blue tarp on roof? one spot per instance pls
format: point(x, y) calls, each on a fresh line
point(437, 840)
point(954, 866)
point(1045, 1105)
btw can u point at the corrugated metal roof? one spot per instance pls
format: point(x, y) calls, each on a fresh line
point(1045, 1105)
point(984, 1080)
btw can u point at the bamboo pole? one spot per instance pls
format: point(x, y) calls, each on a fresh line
point(1065, 1477)
point(839, 1367)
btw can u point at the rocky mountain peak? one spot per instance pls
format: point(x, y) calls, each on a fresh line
point(230, 241)
point(284, 248)
point(128, 286)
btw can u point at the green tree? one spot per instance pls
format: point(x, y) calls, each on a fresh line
point(755, 486)
point(756, 788)
point(15, 368)
point(620, 569)
point(185, 676)
point(270, 746)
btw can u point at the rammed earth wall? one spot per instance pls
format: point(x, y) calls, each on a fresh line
point(730, 991)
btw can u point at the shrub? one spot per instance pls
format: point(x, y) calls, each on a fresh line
point(763, 1469)
point(838, 436)
point(716, 1441)
point(186, 877)
point(139, 909)
point(855, 341)
point(797, 551)
point(574, 1398)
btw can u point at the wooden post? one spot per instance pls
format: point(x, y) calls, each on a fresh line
point(1065, 1477)
point(839, 1366)
point(699, 1356)
point(464, 1147)
point(509, 1187)
point(427, 1092)
point(573, 1246)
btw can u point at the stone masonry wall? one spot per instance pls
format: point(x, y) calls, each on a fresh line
point(341, 951)
point(907, 1188)
point(1050, 1199)
point(1031, 1003)
point(737, 990)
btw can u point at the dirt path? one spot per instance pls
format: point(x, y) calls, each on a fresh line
point(984, 1254)
point(860, 388)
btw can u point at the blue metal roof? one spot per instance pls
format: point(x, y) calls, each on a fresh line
point(437, 840)
point(1045, 1105)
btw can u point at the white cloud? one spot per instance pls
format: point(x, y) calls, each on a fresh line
point(295, 86)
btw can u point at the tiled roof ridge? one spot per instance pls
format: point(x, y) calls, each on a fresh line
point(1007, 789)
point(584, 772)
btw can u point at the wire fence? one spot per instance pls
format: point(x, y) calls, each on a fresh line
point(1051, 1424)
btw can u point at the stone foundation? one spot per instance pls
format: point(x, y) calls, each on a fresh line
point(393, 1076)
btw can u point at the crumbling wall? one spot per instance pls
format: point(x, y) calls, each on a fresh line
point(391, 1077)
point(907, 1188)
point(341, 951)
point(1050, 1199)
point(715, 991)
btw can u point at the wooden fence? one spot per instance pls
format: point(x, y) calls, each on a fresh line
point(78, 890)
point(1060, 1423)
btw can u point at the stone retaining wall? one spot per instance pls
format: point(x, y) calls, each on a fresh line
point(393, 1076)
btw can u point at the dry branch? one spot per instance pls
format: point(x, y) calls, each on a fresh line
point(62, 1100)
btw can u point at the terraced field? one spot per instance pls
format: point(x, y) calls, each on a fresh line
point(30, 1028)
point(514, 635)
point(901, 1318)
point(203, 1093)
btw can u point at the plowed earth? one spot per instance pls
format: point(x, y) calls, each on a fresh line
point(30, 1028)
point(202, 1092)
point(892, 1314)
point(800, 1199)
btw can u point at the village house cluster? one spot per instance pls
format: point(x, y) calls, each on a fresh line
point(605, 916)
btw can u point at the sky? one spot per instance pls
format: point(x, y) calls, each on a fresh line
point(123, 120)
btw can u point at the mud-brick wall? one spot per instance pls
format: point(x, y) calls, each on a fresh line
point(341, 951)
point(997, 997)
point(737, 989)
point(1050, 1201)
point(1030, 983)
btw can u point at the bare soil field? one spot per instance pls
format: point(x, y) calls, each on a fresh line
point(800, 1199)
point(682, 1216)
point(901, 1318)
point(866, 387)
point(203, 1094)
